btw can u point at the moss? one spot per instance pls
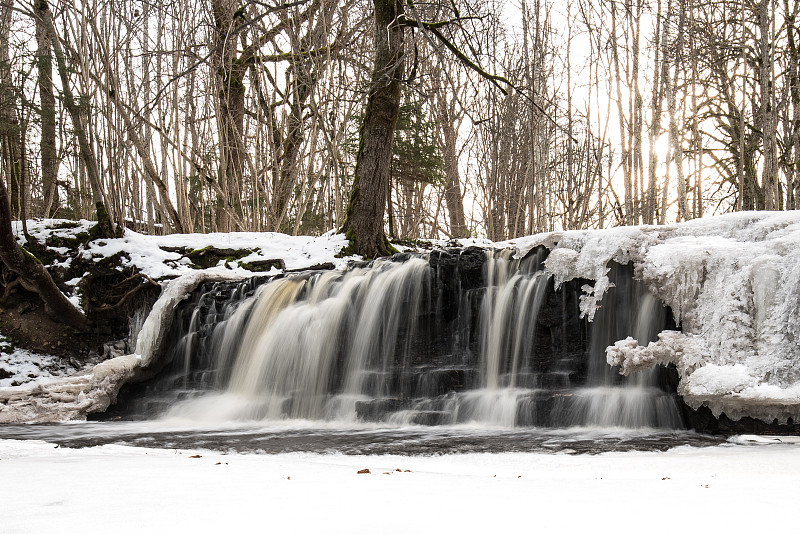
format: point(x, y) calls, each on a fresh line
point(389, 246)
point(352, 246)
point(30, 256)
point(103, 228)
point(55, 241)
point(64, 225)
point(209, 256)
point(349, 249)
point(263, 266)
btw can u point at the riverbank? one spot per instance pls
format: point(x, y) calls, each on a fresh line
point(744, 484)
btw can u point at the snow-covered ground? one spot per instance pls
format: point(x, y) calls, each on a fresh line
point(18, 366)
point(749, 486)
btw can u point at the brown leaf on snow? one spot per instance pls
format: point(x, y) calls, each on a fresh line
point(195, 456)
point(363, 472)
point(664, 478)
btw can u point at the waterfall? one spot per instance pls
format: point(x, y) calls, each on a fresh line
point(627, 309)
point(314, 347)
point(453, 337)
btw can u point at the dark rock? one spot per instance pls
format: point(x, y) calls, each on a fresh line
point(376, 410)
point(263, 266)
point(211, 256)
point(702, 420)
point(430, 418)
point(470, 268)
point(327, 266)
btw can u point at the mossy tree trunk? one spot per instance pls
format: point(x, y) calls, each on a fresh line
point(231, 70)
point(363, 225)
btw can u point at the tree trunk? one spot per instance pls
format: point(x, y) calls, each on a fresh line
point(105, 224)
point(626, 155)
point(793, 164)
point(363, 225)
point(44, 63)
point(230, 78)
point(769, 179)
point(16, 259)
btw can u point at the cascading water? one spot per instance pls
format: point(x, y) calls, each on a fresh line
point(627, 309)
point(314, 347)
point(456, 337)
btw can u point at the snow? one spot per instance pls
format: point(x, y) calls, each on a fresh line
point(750, 484)
point(148, 256)
point(24, 366)
point(733, 283)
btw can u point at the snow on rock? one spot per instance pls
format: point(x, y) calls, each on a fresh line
point(73, 397)
point(20, 366)
point(147, 252)
point(733, 283)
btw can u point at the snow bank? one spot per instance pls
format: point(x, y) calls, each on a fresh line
point(147, 252)
point(20, 366)
point(73, 397)
point(751, 486)
point(733, 283)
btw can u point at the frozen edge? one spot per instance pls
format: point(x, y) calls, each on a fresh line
point(75, 396)
point(732, 282)
point(729, 389)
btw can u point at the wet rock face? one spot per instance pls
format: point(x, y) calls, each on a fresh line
point(436, 371)
point(702, 420)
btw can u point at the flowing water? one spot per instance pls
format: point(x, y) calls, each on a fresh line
point(412, 342)
point(454, 351)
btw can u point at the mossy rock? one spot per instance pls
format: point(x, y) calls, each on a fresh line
point(210, 256)
point(263, 266)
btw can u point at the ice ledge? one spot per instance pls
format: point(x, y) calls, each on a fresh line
point(737, 389)
point(75, 396)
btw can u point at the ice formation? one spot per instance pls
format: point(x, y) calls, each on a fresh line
point(733, 283)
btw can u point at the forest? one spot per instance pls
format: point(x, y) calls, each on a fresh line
point(513, 117)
